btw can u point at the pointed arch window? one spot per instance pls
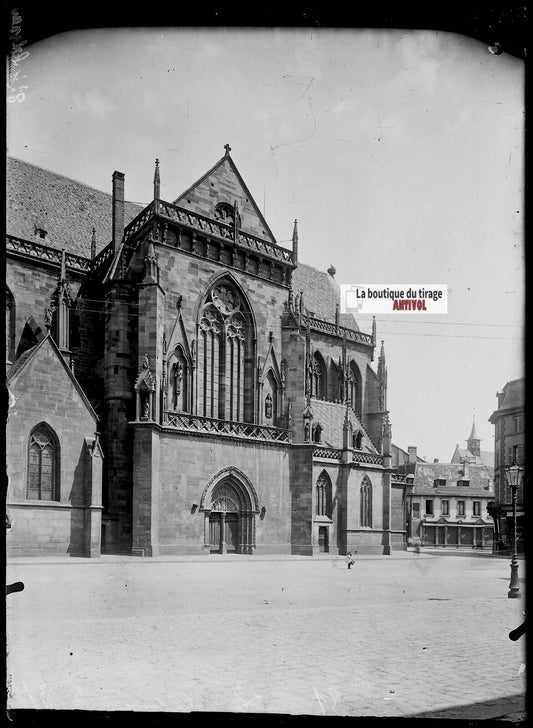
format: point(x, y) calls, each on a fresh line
point(354, 388)
point(323, 495)
point(318, 377)
point(335, 383)
point(317, 433)
point(224, 365)
point(365, 495)
point(10, 325)
point(43, 465)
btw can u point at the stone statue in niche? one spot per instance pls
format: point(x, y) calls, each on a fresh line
point(268, 407)
point(306, 432)
point(145, 405)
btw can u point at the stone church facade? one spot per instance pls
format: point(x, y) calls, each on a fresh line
point(190, 386)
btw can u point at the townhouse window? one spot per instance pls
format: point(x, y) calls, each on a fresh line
point(464, 483)
point(439, 482)
point(460, 508)
point(429, 507)
point(517, 424)
point(445, 507)
point(477, 508)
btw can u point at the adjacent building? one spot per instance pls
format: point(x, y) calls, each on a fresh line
point(446, 504)
point(181, 383)
point(509, 434)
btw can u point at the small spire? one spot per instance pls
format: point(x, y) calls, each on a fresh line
point(63, 274)
point(93, 243)
point(374, 336)
point(473, 433)
point(157, 181)
point(228, 149)
point(382, 369)
point(295, 242)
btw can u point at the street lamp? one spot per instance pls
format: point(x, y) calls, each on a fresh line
point(513, 476)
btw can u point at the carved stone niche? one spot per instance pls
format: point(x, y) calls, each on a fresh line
point(144, 392)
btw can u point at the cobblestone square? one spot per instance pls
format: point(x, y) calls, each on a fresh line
point(403, 635)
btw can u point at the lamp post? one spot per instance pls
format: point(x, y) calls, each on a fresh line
point(513, 476)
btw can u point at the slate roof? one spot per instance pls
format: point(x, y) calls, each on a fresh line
point(330, 416)
point(66, 209)
point(426, 473)
point(321, 294)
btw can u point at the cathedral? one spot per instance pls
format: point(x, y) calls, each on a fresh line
point(179, 383)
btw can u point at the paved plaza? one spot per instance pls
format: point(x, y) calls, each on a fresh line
point(405, 635)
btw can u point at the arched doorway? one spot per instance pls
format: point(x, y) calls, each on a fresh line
point(230, 505)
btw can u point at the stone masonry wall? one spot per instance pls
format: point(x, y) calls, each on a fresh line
point(44, 393)
point(187, 464)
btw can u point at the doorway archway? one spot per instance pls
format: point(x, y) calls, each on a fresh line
point(229, 503)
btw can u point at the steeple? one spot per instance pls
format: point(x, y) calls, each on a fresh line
point(473, 443)
point(295, 242)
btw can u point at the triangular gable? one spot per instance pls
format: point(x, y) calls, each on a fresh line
point(48, 341)
point(270, 362)
point(178, 336)
point(223, 183)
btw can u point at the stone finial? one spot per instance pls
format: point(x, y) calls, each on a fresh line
point(157, 181)
point(332, 270)
point(227, 148)
point(93, 244)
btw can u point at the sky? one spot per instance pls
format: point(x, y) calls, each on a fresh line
point(399, 152)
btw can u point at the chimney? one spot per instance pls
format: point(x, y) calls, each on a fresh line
point(412, 454)
point(118, 209)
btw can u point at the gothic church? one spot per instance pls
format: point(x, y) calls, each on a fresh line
point(179, 383)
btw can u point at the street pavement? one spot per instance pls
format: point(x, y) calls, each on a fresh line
point(421, 635)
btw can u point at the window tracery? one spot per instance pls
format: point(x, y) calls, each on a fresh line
point(43, 456)
point(365, 495)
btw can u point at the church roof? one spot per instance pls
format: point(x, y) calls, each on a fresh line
point(484, 458)
point(66, 209)
point(321, 294)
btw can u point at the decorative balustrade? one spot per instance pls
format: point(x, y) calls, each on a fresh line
point(44, 253)
point(138, 222)
point(330, 328)
point(212, 426)
point(103, 256)
point(327, 452)
point(398, 478)
point(358, 456)
point(212, 228)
